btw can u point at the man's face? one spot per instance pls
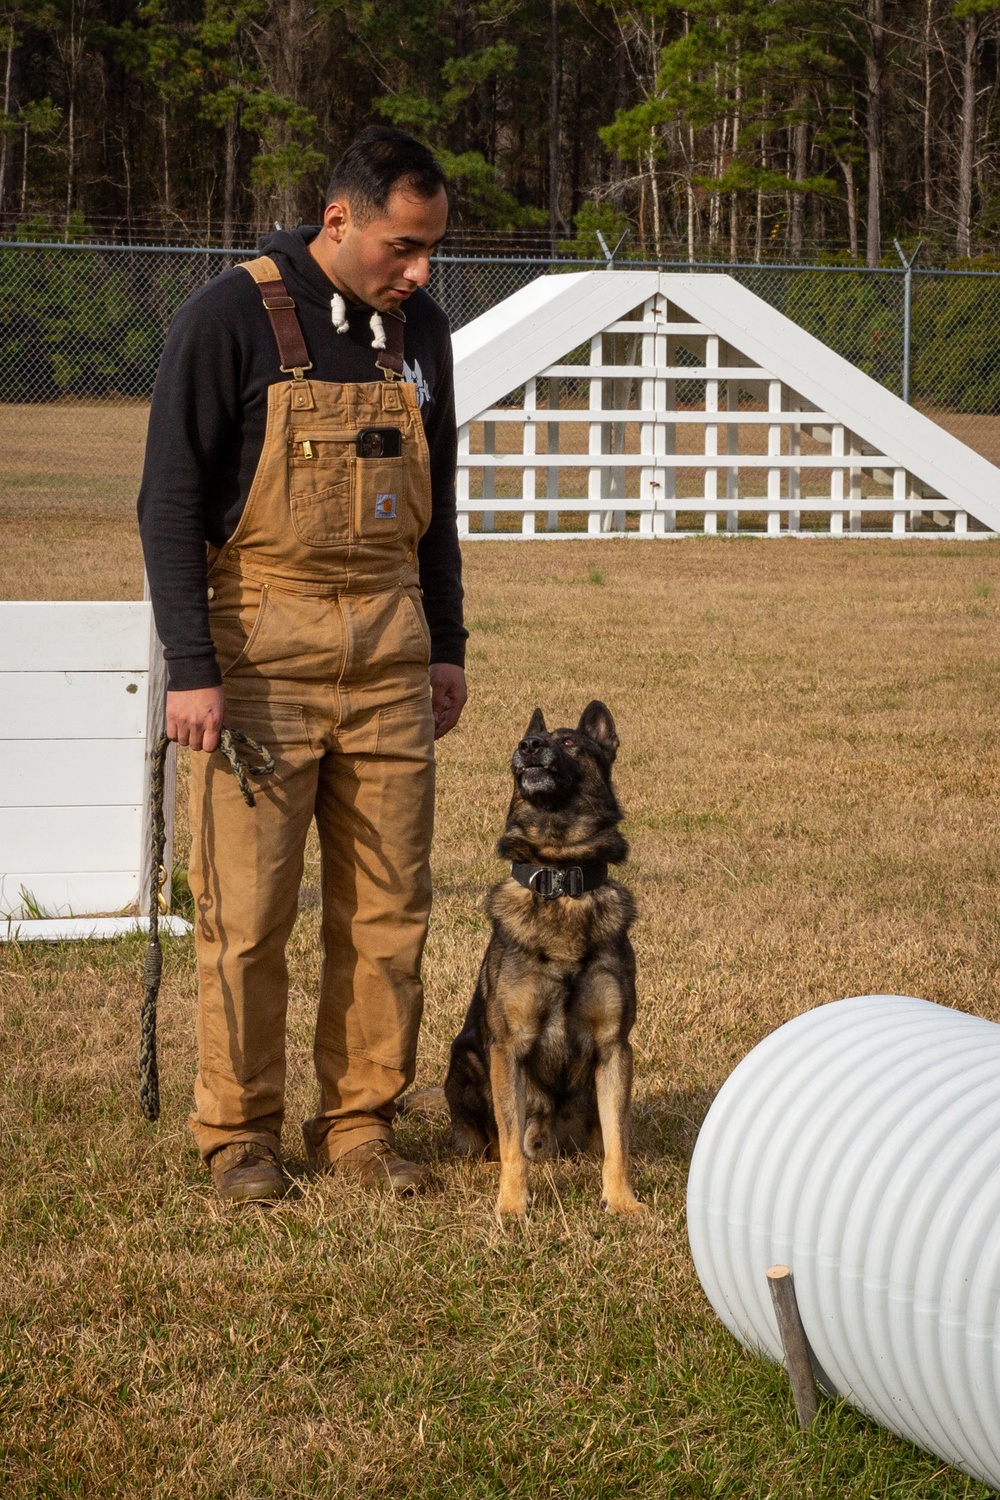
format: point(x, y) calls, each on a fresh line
point(383, 261)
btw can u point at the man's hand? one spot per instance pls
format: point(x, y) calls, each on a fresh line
point(448, 695)
point(194, 718)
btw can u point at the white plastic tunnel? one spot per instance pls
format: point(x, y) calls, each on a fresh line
point(860, 1145)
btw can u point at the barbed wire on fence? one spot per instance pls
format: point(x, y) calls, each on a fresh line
point(89, 321)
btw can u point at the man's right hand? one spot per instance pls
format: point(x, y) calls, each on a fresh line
point(195, 717)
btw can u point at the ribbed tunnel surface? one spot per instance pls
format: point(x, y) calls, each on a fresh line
point(860, 1145)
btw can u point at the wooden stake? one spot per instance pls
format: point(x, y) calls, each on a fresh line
point(798, 1360)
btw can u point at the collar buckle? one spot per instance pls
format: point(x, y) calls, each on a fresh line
point(550, 884)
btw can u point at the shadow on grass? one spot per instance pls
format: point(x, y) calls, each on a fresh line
point(666, 1125)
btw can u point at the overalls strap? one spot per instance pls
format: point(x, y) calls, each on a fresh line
point(390, 359)
point(292, 351)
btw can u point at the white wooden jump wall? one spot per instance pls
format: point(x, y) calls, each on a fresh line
point(81, 688)
point(665, 404)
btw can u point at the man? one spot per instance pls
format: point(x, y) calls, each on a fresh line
point(297, 513)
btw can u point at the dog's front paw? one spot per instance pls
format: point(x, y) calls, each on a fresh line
point(513, 1201)
point(513, 1197)
point(623, 1203)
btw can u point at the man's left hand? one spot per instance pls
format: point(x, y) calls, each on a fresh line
point(448, 695)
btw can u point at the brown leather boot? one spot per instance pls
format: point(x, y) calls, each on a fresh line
point(375, 1165)
point(248, 1172)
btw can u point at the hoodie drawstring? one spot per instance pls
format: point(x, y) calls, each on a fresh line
point(338, 312)
point(338, 315)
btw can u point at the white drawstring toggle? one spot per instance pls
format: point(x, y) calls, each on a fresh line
point(378, 329)
point(338, 312)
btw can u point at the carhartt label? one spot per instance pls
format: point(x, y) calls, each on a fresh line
point(385, 507)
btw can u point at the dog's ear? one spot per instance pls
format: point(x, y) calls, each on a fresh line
point(596, 722)
point(537, 725)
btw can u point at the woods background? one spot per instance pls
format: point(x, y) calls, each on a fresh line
point(714, 129)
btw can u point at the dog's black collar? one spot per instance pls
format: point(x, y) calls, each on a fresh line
point(550, 881)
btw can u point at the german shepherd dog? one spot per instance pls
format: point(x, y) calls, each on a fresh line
point(543, 1062)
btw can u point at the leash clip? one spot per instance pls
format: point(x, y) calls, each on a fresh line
point(549, 884)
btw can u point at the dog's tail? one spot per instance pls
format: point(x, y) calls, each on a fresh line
point(423, 1102)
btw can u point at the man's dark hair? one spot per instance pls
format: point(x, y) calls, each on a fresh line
point(380, 159)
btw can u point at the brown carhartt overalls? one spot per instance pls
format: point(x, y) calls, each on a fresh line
point(316, 614)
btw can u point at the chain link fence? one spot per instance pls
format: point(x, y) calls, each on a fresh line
point(88, 322)
point(82, 326)
point(954, 359)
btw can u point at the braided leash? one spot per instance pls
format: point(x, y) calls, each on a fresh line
point(149, 1076)
point(228, 740)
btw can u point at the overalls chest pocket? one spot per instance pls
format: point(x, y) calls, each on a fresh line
point(337, 495)
point(381, 495)
point(320, 481)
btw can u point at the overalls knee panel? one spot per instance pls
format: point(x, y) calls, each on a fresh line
point(316, 613)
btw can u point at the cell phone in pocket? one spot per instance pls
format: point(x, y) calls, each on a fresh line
point(379, 442)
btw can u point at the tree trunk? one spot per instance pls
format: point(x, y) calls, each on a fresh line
point(553, 125)
point(167, 204)
point(875, 94)
point(847, 167)
point(655, 196)
point(734, 201)
point(72, 55)
point(690, 198)
point(70, 161)
point(642, 215)
point(618, 169)
point(576, 157)
point(459, 132)
point(928, 90)
point(5, 143)
point(967, 141)
point(758, 249)
point(800, 152)
point(714, 205)
point(229, 181)
point(24, 173)
point(127, 171)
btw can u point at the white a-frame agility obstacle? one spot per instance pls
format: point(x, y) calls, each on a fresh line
point(657, 404)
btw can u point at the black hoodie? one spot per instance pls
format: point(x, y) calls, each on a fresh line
point(206, 432)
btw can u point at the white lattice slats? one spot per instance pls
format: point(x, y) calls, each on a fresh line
point(553, 445)
point(462, 481)
point(595, 432)
point(529, 446)
point(489, 475)
point(650, 476)
point(711, 435)
point(774, 451)
point(732, 404)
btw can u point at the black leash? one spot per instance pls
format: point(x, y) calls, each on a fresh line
point(149, 1076)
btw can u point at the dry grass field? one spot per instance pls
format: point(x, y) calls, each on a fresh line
point(809, 764)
